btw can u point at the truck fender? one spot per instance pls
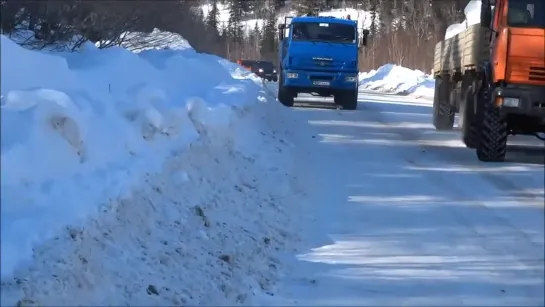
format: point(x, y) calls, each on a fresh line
point(484, 81)
point(486, 68)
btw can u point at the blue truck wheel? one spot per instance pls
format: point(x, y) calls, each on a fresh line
point(347, 99)
point(284, 95)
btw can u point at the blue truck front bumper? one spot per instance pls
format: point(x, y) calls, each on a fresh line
point(306, 81)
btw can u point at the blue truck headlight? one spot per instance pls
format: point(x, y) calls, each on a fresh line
point(292, 75)
point(350, 79)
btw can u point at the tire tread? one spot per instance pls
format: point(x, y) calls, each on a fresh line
point(493, 133)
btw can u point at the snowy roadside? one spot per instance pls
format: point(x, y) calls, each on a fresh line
point(185, 193)
point(398, 80)
point(207, 229)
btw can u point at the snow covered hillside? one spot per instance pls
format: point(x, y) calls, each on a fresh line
point(399, 80)
point(132, 179)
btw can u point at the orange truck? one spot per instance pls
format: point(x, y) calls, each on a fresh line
point(493, 75)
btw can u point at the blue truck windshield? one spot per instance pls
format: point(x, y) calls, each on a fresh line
point(324, 31)
point(526, 13)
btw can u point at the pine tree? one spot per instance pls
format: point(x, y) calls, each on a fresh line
point(373, 28)
point(213, 16)
point(278, 4)
point(255, 38)
point(268, 41)
point(257, 31)
point(304, 7)
point(235, 26)
point(309, 7)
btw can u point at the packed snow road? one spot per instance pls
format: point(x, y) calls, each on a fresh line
point(400, 214)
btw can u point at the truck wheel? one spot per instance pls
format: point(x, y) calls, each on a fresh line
point(493, 132)
point(348, 99)
point(284, 96)
point(468, 121)
point(443, 115)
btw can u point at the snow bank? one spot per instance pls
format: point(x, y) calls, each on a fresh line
point(398, 80)
point(455, 29)
point(472, 12)
point(132, 179)
point(139, 41)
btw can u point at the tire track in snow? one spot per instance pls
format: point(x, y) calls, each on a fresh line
point(413, 136)
point(535, 249)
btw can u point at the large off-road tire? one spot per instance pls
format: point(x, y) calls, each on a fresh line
point(493, 130)
point(468, 120)
point(443, 113)
point(284, 96)
point(347, 99)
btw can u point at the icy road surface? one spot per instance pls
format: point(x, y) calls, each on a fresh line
point(401, 214)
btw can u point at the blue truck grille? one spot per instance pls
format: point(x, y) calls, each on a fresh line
point(324, 65)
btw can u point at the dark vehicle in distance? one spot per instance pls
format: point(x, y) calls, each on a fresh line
point(264, 69)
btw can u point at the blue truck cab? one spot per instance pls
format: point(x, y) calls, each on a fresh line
point(319, 55)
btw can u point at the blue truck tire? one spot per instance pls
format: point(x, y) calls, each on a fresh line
point(347, 99)
point(284, 95)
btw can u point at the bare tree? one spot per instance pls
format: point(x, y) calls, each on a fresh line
point(402, 32)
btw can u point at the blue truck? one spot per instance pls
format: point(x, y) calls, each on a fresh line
point(319, 56)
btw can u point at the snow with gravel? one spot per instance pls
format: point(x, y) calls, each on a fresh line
point(155, 178)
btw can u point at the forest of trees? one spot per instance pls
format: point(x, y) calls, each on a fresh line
point(403, 32)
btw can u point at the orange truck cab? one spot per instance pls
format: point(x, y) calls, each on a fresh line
point(511, 95)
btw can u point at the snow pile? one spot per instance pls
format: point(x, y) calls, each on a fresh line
point(399, 80)
point(139, 41)
point(138, 179)
point(455, 29)
point(472, 12)
point(239, 72)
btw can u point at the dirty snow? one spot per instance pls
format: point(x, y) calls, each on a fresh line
point(155, 178)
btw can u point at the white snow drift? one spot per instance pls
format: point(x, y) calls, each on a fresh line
point(150, 178)
point(472, 12)
point(404, 81)
point(400, 80)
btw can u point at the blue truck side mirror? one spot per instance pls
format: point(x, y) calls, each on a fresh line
point(365, 34)
point(281, 28)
